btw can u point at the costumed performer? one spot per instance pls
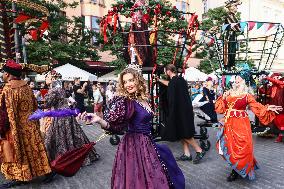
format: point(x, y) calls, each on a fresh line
point(180, 121)
point(22, 151)
point(277, 98)
point(64, 133)
point(234, 139)
point(139, 163)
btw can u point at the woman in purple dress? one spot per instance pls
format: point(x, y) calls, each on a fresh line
point(140, 163)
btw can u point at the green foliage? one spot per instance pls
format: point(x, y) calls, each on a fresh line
point(67, 40)
point(214, 17)
point(208, 65)
point(202, 54)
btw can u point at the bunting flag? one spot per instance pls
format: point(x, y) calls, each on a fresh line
point(251, 25)
point(270, 26)
point(259, 24)
point(243, 25)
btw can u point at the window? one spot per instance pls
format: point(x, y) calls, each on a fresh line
point(95, 26)
point(205, 6)
point(182, 5)
point(95, 23)
point(102, 2)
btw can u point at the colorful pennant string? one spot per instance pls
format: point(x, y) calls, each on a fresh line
point(250, 25)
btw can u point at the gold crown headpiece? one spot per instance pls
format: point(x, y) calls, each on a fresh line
point(135, 67)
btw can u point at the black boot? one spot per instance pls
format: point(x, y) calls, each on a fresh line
point(184, 158)
point(12, 184)
point(233, 176)
point(49, 177)
point(198, 157)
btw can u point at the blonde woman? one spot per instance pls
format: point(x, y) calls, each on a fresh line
point(234, 137)
point(140, 163)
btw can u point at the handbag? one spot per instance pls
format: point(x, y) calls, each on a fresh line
point(4, 119)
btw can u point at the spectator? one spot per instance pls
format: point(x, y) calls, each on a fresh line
point(109, 93)
point(68, 90)
point(103, 93)
point(195, 91)
point(36, 93)
point(79, 93)
point(98, 100)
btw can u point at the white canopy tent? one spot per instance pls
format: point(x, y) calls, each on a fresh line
point(40, 78)
point(193, 74)
point(70, 72)
point(113, 76)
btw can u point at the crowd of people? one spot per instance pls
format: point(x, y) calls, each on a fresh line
point(86, 94)
point(29, 148)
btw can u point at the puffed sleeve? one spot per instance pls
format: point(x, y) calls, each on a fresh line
point(220, 105)
point(276, 82)
point(265, 116)
point(118, 113)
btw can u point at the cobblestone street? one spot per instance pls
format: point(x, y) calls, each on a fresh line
point(211, 173)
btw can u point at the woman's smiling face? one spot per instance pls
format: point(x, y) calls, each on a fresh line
point(129, 83)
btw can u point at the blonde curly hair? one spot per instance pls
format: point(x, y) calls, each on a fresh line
point(245, 89)
point(141, 93)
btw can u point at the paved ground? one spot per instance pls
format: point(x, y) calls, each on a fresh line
point(210, 174)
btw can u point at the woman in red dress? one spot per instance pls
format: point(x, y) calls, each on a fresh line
point(234, 137)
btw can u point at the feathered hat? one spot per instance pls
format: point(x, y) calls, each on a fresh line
point(13, 68)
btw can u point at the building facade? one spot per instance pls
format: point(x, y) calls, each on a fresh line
point(256, 10)
point(251, 10)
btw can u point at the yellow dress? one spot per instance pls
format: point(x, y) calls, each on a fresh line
point(22, 152)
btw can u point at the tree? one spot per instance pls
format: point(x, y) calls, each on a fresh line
point(67, 40)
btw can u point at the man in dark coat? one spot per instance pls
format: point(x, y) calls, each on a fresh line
point(180, 121)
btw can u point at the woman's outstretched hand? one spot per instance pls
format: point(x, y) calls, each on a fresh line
point(275, 108)
point(91, 118)
point(87, 118)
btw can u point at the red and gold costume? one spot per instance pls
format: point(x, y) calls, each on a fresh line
point(235, 137)
point(22, 150)
point(277, 98)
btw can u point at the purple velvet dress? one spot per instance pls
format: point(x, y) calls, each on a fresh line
point(140, 163)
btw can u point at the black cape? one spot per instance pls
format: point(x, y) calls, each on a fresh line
point(180, 119)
